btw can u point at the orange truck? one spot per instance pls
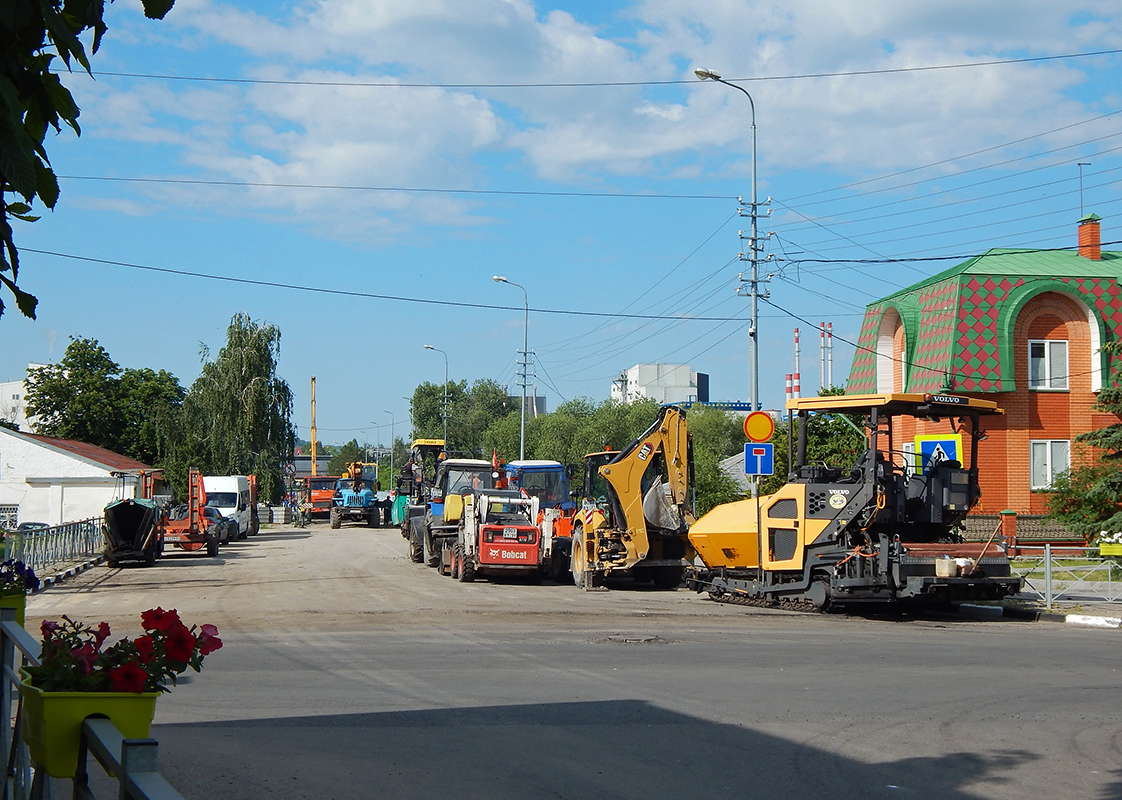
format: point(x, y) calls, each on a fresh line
point(191, 529)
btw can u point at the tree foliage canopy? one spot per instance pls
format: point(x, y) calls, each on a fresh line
point(88, 397)
point(237, 416)
point(33, 99)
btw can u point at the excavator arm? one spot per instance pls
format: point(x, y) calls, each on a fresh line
point(667, 438)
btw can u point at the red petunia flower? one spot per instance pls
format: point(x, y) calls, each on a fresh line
point(156, 619)
point(145, 648)
point(180, 645)
point(48, 627)
point(208, 640)
point(101, 634)
point(129, 677)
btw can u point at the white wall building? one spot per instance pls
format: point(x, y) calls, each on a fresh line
point(44, 479)
point(663, 383)
point(13, 401)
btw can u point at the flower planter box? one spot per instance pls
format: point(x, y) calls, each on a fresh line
point(1110, 549)
point(52, 722)
point(16, 600)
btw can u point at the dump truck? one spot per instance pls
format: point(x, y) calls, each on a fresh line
point(635, 517)
point(880, 531)
point(497, 536)
point(355, 498)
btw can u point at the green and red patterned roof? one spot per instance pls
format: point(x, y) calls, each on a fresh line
point(959, 323)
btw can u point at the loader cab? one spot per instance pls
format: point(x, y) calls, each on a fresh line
point(545, 480)
point(456, 477)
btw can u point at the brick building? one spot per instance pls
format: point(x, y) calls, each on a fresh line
point(1023, 328)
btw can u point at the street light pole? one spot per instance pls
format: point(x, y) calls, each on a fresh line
point(393, 421)
point(437, 349)
point(753, 331)
point(525, 356)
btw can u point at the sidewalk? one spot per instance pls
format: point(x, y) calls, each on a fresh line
point(1094, 613)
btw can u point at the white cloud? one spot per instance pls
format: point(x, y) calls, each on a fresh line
point(435, 137)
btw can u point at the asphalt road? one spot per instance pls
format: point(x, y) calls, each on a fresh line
point(349, 672)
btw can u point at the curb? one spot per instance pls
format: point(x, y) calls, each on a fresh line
point(1026, 615)
point(69, 572)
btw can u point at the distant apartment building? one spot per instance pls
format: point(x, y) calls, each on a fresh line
point(663, 383)
point(13, 401)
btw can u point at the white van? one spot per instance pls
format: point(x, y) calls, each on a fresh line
point(230, 495)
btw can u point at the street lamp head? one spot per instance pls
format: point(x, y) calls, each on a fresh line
point(706, 74)
point(429, 347)
point(498, 279)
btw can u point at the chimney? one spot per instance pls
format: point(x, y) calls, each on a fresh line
point(1089, 237)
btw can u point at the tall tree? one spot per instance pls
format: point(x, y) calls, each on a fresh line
point(33, 99)
point(88, 397)
point(79, 397)
point(237, 416)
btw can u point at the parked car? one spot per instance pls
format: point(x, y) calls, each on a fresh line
point(31, 526)
point(225, 528)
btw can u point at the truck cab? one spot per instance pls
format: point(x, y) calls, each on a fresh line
point(232, 496)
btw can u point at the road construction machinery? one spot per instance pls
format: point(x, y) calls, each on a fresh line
point(321, 494)
point(435, 529)
point(548, 482)
point(132, 531)
point(637, 509)
point(497, 536)
point(187, 527)
point(410, 494)
point(883, 530)
point(355, 498)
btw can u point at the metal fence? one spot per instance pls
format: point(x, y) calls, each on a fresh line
point(1073, 574)
point(54, 549)
point(132, 762)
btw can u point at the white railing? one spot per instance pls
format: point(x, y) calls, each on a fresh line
point(1074, 574)
point(53, 549)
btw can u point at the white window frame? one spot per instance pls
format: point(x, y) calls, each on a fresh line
point(1051, 380)
point(1049, 449)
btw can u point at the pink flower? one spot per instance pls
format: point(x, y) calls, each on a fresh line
point(208, 640)
point(129, 677)
point(48, 627)
point(85, 655)
point(180, 645)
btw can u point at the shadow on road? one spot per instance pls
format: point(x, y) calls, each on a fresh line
point(619, 749)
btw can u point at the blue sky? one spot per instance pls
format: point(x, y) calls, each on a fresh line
point(288, 167)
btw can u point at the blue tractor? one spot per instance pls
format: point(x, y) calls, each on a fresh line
point(355, 498)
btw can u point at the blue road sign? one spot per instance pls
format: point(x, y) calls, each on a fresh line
point(759, 459)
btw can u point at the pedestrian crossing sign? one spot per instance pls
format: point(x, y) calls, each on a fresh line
point(931, 450)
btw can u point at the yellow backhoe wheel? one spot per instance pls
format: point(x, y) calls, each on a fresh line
point(579, 557)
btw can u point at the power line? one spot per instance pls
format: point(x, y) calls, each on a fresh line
point(597, 84)
point(414, 189)
point(372, 295)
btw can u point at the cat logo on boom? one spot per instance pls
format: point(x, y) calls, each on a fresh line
point(645, 451)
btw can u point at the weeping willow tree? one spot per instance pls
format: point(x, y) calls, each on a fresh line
point(237, 416)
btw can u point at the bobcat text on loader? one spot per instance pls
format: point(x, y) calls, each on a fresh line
point(875, 532)
point(498, 537)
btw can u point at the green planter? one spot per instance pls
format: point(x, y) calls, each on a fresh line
point(1110, 549)
point(52, 722)
point(16, 600)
